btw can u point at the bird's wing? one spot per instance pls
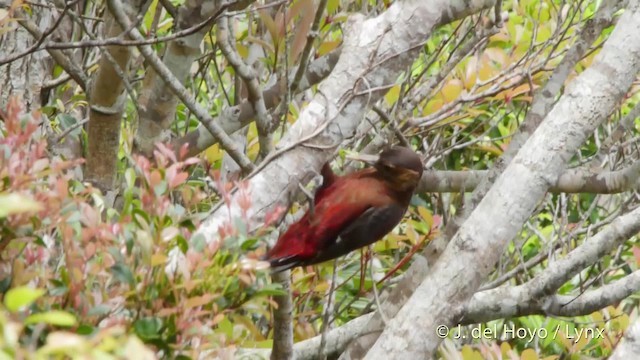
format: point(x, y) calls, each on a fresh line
point(372, 225)
point(313, 234)
point(328, 179)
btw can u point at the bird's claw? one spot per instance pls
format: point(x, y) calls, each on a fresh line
point(310, 199)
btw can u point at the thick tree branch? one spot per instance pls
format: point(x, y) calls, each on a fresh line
point(283, 319)
point(579, 180)
point(518, 301)
point(485, 306)
point(108, 100)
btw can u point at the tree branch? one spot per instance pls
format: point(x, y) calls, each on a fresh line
point(578, 180)
point(246, 73)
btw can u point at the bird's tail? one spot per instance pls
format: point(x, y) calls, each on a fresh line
point(282, 263)
point(288, 251)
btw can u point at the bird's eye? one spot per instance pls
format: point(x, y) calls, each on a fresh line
point(388, 166)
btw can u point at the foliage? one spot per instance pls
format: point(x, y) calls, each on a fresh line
point(103, 277)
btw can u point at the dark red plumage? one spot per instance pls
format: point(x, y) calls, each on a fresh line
point(350, 211)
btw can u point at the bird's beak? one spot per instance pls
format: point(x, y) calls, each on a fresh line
point(369, 159)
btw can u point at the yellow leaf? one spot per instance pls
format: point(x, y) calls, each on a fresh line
point(597, 317)
point(322, 287)
point(562, 338)
point(426, 216)
point(529, 354)
point(468, 353)
point(242, 50)
point(392, 95)
point(326, 47)
point(158, 259)
point(452, 89)
point(13, 203)
point(412, 235)
point(580, 342)
point(502, 36)
point(490, 148)
point(433, 105)
point(620, 323)
point(213, 154)
point(486, 70)
point(505, 348)
point(473, 112)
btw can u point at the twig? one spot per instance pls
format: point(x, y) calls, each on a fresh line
point(263, 119)
point(392, 125)
point(172, 10)
point(66, 132)
point(310, 199)
point(122, 42)
point(498, 13)
point(311, 36)
point(374, 287)
point(327, 312)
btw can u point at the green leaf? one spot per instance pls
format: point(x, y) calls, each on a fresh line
point(5, 284)
point(161, 188)
point(11, 204)
point(99, 310)
point(5, 356)
point(123, 274)
point(67, 122)
point(148, 328)
point(249, 244)
point(85, 329)
point(53, 317)
point(198, 243)
point(20, 297)
point(271, 290)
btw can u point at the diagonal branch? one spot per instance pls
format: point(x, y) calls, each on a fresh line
point(250, 79)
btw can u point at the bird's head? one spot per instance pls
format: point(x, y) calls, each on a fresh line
point(398, 165)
